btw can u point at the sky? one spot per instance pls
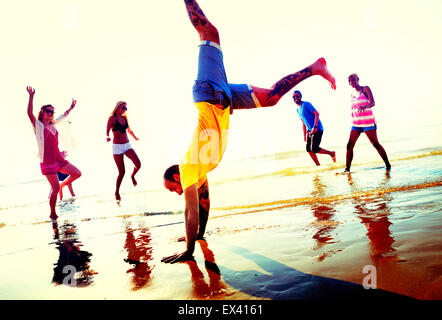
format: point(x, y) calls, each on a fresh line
point(145, 53)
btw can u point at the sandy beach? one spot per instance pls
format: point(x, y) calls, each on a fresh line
point(280, 229)
point(319, 237)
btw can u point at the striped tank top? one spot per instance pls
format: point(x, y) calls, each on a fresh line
point(361, 118)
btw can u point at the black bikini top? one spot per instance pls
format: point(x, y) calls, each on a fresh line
point(119, 127)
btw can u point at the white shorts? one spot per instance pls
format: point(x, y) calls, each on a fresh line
point(120, 148)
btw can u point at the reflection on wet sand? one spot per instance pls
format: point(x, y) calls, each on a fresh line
point(72, 267)
point(324, 223)
point(139, 254)
point(216, 288)
point(373, 211)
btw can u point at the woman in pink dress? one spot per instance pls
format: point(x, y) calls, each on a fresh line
point(51, 159)
point(362, 102)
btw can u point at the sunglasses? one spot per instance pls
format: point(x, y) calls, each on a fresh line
point(124, 108)
point(49, 111)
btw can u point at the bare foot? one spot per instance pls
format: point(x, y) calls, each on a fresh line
point(133, 180)
point(178, 257)
point(182, 239)
point(60, 193)
point(333, 155)
point(320, 68)
point(117, 196)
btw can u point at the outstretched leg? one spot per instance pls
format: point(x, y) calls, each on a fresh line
point(332, 154)
point(372, 136)
point(202, 25)
point(314, 156)
point(269, 97)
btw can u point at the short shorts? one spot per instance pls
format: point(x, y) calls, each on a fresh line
point(62, 176)
point(363, 129)
point(118, 148)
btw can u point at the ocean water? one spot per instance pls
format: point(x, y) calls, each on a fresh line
point(315, 220)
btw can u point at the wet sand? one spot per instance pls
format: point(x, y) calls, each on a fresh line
point(312, 242)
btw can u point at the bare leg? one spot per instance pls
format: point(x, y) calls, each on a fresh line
point(71, 189)
point(137, 163)
point(354, 135)
point(55, 187)
point(119, 160)
point(332, 154)
point(269, 97)
point(372, 136)
point(60, 193)
point(202, 25)
point(73, 172)
point(314, 157)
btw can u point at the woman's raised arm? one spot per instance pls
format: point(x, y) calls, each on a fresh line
point(31, 116)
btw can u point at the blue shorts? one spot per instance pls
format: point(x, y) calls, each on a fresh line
point(363, 129)
point(62, 176)
point(211, 83)
point(243, 96)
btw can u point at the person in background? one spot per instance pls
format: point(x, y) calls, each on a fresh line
point(120, 145)
point(362, 102)
point(62, 177)
point(312, 128)
point(51, 159)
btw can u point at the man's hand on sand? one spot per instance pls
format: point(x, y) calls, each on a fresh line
point(178, 257)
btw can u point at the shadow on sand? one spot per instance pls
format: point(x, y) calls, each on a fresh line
point(285, 283)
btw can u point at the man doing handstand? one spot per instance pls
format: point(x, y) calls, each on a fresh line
point(215, 99)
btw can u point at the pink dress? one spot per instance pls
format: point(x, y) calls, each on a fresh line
point(364, 118)
point(53, 160)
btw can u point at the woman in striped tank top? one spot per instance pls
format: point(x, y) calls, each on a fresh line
point(363, 121)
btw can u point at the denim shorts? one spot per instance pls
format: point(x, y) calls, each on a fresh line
point(211, 83)
point(363, 129)
point(243, 96)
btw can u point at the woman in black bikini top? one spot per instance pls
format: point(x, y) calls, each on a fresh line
point(119, 127)
point(121, 145)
